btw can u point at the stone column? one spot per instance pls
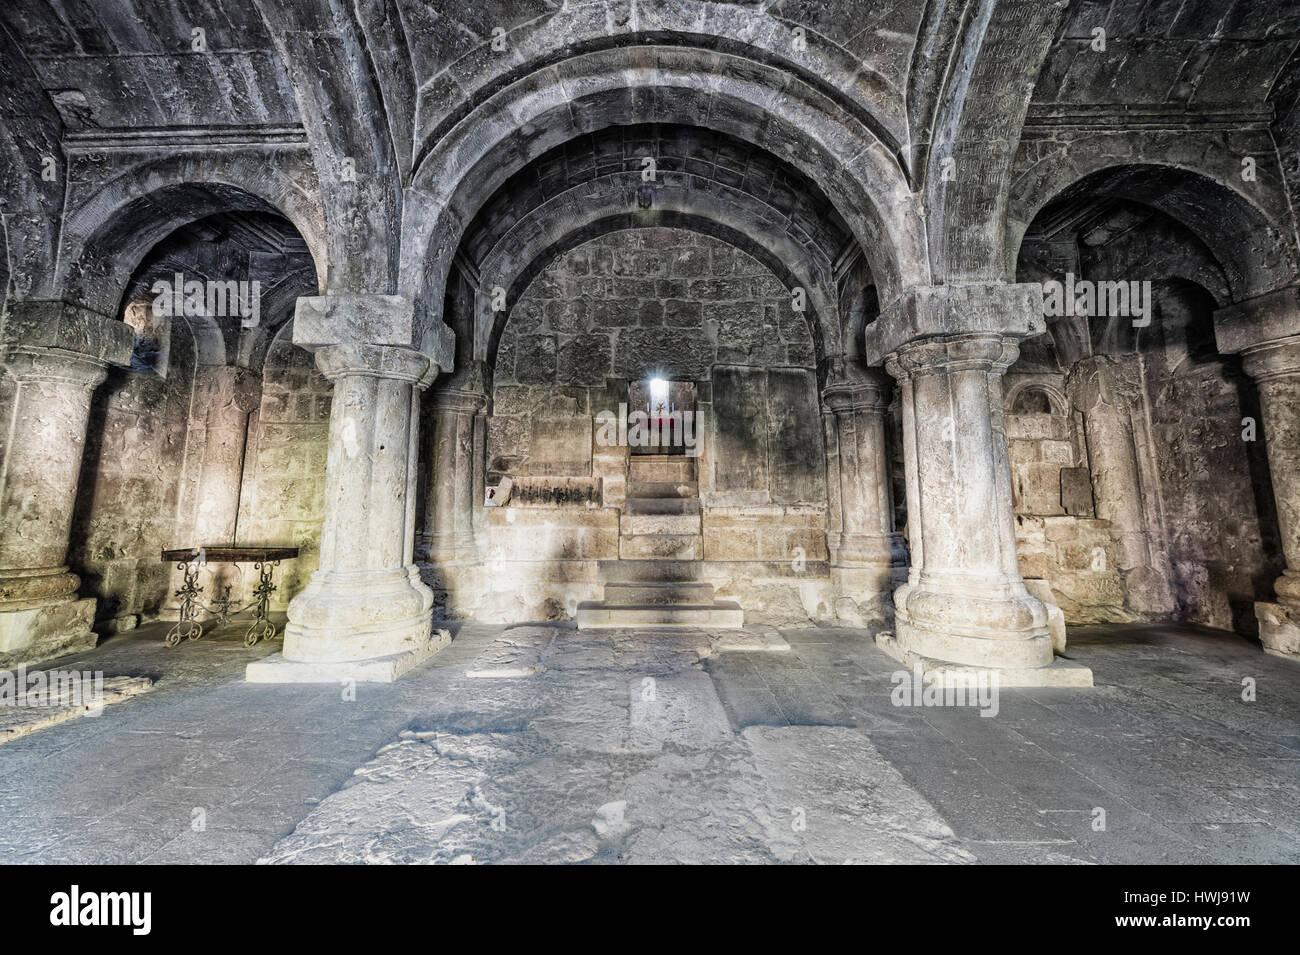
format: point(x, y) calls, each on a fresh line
point(1108, 392)
point(365, 614)
point(965, 603)
point(454, 569)
point(867, 554)
point(226, 395)
point(1266, 333)
point(230, 395)
point(53, 357)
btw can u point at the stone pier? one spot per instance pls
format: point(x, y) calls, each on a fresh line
point(1263, 332)
point(446, 542)
point(965, 604)
point(365, 614)
point(868, 559)
point(226, 396)
point(1108, 391)
point(53, 357)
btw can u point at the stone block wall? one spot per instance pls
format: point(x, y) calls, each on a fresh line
point(1058, 538)
point(669, 303)
point(1206, 505)
point(1223, 547)
point(626, 306)
point(130, 486)
point(284, 469)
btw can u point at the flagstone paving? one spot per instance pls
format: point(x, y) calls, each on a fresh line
point(650, 747)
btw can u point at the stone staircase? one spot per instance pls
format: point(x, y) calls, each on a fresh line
point(656, 580)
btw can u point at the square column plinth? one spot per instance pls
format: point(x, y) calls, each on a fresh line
point(43, 633)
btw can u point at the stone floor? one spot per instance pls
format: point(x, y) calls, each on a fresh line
point(624, 746)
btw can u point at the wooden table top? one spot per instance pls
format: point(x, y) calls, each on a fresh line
point(229, 554)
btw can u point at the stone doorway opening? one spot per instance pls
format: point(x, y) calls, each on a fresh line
point(661, 416)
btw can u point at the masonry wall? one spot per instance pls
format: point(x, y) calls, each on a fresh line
point(284, 486)
point(682, 306)
point(627, 306)
point(130, 486)
point(1206, 499)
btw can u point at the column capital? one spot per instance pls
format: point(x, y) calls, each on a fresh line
point(28, 364)
point(1113, 380)
point(1008, 311)
point(465, 391)
point(989, 353)
point(376, 361)
point(55, 329)
point(379, 320)
point(231, 385)
point(1263, 321)
point(852, 386)
point(1275, 359)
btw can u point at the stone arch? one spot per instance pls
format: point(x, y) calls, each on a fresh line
point(278, 305)
point(799, 126)
point(1031, 394)
point(620, 222)
point(110, 231)
point(708, 30)
point(580, 215)
point(1255, 251)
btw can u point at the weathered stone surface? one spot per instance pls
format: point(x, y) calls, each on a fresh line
point(459, 796)
point(73, 696)
point(553, 225)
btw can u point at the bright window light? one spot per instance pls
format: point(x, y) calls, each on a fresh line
point(658, 389)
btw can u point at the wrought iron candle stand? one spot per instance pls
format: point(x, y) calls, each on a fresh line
point(191, 560)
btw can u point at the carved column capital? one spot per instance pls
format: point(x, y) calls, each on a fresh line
point(852, 386)
point(945, 355)
point(54, 365)
point(1112, 380)
point(376, 361)
point(1274, 359)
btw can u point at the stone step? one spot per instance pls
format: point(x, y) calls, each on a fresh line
point(663, 505)
point(648, 571)
point(681, 593)
point(660, 468)
point(661, 547)
point(661, 489)
point(634, 525)
point(721, 614)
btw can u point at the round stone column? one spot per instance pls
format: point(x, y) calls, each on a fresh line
point(1107, 390)
point(447, 543)
point(1276, 370)
point(867, 553)
point(231, 395)
point(449, 512)
point(211, 516)
point(965, 601)
point(43, 439)
point(366, 599)
point(1263, 331)
point(45, 401)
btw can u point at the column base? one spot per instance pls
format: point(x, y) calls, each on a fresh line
point(1279, 629)
point(43, 633)
point(1060, 672)
point(958, 628)
point(864, 595)
point(458, 586)
point(276, 669)
point(343, 617)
